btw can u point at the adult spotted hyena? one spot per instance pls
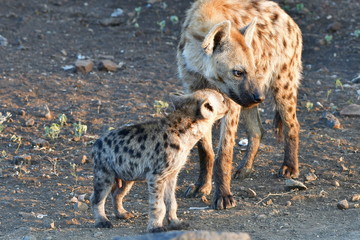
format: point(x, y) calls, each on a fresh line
point(152, 151)
point(244, 49)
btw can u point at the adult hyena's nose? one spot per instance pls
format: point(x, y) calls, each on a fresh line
point(258, 97)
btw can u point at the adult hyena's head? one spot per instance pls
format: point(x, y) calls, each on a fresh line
point(229, 63)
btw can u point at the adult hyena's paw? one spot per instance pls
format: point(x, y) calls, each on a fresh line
point(104, 224)
point(195, 191)
point(242, 173)
point(288, 172)
point(223, 201)
point(126, 215)
point(180, 225)
point(157, 229)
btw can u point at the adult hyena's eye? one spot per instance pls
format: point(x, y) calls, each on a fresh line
point(238, 73)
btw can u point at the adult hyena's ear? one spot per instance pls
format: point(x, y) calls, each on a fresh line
point(248, 31)
point(218, 35)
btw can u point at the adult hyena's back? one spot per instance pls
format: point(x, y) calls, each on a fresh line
point(276, 44)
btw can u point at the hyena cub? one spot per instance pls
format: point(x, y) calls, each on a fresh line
point(153, 151)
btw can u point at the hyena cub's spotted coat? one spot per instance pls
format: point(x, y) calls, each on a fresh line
point(152, 151)
point(244, 49)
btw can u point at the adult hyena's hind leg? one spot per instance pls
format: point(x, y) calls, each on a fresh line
point(103, 181)
point(118, 192)
point(254, 131)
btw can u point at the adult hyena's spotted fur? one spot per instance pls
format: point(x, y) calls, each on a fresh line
point(152, 151)
point(244, 49)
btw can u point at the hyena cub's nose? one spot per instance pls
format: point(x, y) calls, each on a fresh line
point(258, 97)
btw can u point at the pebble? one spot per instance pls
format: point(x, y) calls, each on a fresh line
point(22, 159)
point(41, 143)
point(84, 66)
point(3, 41)
point(355, 198)
point(30, 122)
point(81, 206)
point(329, 120)
point(294, 184)
point(117, 13)
point(107, 65)
point(84, 159)
point(112, 21)
point(336, 183)
point(98, 234)
point(248, 192)
point(288, 203)
point(334, 27)
point(45, 112)
point(343, 204)
point(351, 110)
point(310, 177)
point(69, 68)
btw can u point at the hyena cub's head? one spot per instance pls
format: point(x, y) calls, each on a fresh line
point(230, 62)
point(205, 104)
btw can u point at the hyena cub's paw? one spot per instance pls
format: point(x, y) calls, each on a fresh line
point(105, 224)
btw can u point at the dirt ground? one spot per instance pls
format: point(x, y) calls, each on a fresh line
point(37, 191)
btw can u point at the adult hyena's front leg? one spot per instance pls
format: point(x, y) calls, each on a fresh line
point(254, 132)
point(223, 164)
point(206, 156)
point(286, 97)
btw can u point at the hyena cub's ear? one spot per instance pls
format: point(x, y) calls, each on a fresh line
point(177, 100)
point(207, 108)
point(248, 31)
point(218, 35)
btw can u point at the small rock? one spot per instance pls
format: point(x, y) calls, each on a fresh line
point(351, 110)
point(310, 177)
point(69, 68)
point(30, 122)
point(41, 143)
point(288, 203)
point(243, 142)
point(117, 13)
point(318, 82)
point(107, 65)
point(45, 112)
point(269, 202)
point(84, 159)
point(112, 21)
point(82, 197)
point(355, 197)
point(3, 41)
point(294, 184)
point(1, 173)
point(81, 206)
point(334, 27)
point(329, 120)
point(336, 183)
point(73, 200)
point(84, 66)
point(73, 221)
point(22, 160)
point(343, 204)
point(356, 205)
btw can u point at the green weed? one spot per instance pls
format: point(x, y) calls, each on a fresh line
point(160, 105)
point(18, 140)
point(80, 129)
point(53, 131)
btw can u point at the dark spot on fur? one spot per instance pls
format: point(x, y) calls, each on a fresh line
point(139, 130)
point(142, 147)
point(274, 17)
point(284, 43)
point(276, 90)
point(123, 132)
point(153, 137)
point(165, 136)
point(289, 96)
point(286, 86)
point(119, 160)
point(140, 138)
point(146, 169)
point(125, 149)
point(138, 155)
point(284, 67)
point(294, 116)
point(145, 136)
point(131, 151)
point(128, 141)
point(116, 149)
point(157, 147)
point(166, 145)
point(290, 109)
point(108, 142)
point(175, 146)
point(99, 144)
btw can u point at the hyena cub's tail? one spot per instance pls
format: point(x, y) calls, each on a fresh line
point(278, 126)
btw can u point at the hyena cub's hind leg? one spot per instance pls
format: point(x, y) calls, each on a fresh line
point(118, 192)
point(102, 187)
